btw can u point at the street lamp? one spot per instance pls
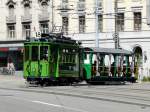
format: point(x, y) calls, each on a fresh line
point(116, 34)
point(96, 25)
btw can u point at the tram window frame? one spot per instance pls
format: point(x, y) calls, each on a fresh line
point(35, 55)
point(68, 59)
point(27, 53)
point(68, 55)
point(44, 56)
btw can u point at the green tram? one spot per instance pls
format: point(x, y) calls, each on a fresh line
point(55, 59)
point(108, 65)
point(52, 59)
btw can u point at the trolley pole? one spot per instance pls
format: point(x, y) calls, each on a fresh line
point(116, 34)
point(96, 25)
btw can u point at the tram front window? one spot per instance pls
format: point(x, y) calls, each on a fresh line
point(44, 53)
point(34, 53)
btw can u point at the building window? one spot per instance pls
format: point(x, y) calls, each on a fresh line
point(81, 0)
point(64, 5)
point(44, 7)
point(26, 9)
point(44, 15)
point(100, 23)
point(64, 1)
point(136, 0)
point(44, 27)
point(81, 24)
point(120, 21)
point(65, 25)
point(11, 31)
point(137, 20)
point(26, 31)
point(11, 10)
point(81, 5)
point(100, 4)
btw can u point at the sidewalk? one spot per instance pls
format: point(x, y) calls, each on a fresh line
point(11, 81)
point(17, 81)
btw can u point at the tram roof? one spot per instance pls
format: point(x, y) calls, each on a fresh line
point(108, 51)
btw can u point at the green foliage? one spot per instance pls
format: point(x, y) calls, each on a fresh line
point(146, 79)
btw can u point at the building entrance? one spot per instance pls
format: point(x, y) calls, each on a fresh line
point(138, 62)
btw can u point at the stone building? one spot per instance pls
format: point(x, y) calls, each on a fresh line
point(22, 19)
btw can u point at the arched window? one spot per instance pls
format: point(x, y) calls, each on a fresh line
point(11, 6)
point(11, 10)
point(44, 7)
point(26, 9)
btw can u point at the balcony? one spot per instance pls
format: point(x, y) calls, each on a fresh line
point(26, 18)
point(11, 19)
point(44, 17)
point(81, 6)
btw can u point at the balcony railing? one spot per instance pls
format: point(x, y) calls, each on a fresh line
point(44, 17)
point(11, 19)
point(26, 18)
point(81, 6)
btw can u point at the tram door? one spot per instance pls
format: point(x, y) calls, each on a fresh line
point(44, 61)
point(33, 61)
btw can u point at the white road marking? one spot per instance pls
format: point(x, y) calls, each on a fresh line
point(59, 106)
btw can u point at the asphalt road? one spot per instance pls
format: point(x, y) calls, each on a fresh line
point(20, 101)
point(16, 97)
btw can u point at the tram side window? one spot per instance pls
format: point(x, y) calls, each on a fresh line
point(44, 53)
point(26, 53)
point(34, 53)
point(68, 56)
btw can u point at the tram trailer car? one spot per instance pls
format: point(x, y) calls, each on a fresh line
point(108, 65)
point(55, 59)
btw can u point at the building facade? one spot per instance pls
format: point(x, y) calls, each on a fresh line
point(22, 19)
